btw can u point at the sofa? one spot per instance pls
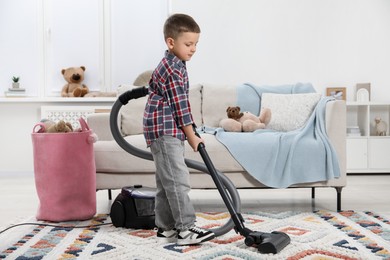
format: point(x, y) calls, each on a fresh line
point(116, 168)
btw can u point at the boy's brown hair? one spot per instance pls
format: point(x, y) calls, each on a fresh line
point(179, 23)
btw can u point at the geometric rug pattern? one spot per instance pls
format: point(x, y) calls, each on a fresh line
point(314, 235)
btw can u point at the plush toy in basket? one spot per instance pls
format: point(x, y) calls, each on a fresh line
point(49, 126)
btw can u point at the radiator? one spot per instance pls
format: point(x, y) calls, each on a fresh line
point(71, 114)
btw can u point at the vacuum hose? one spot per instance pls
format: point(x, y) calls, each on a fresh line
point(140, 92)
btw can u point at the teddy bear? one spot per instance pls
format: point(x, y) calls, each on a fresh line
point(48, 126)
point(238, 121)
point(74, 88)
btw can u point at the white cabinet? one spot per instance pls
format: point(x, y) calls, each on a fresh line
point(379, 154)
point(366, 151)
point(357, 153)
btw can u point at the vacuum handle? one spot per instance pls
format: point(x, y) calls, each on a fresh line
point(236, 217)
point(133, 94)
point(200, 145)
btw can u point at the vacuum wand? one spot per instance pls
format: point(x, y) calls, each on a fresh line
point(237, 218)
point(272, 242)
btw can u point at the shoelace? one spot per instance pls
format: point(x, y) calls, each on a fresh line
point(198, 230)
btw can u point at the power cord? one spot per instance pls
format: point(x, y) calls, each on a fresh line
point(53, 225)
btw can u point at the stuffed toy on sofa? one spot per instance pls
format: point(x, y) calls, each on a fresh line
point(74, 77)
point(238, 121)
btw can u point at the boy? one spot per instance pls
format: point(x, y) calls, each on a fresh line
point(167, 124)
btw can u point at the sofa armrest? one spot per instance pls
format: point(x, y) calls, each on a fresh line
point(100, 124)
point(336, 125)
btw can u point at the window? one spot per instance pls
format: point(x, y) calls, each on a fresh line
point(137, 38)
point(114, 40)
point(20, 50)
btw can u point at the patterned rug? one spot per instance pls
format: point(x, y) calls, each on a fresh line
point(318, 235)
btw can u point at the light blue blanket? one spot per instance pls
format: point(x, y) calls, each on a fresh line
point(280, 159)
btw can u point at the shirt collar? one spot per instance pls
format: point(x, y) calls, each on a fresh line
point(174, 58)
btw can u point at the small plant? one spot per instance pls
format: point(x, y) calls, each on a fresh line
point(15, 79)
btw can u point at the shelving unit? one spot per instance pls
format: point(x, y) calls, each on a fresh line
point(367, 152)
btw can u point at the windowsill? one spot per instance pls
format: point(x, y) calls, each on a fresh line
point(57, 100)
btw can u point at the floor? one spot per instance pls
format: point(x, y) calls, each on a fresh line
point(18, 197)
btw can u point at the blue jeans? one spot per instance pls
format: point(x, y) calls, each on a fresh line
point(173, 206)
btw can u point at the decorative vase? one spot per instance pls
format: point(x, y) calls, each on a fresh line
point(15, 85)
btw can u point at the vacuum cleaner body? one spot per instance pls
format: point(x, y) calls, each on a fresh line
point(134, 208)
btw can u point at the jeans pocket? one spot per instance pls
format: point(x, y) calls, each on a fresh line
point(154, 147)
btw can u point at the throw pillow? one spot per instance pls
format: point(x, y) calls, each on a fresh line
point(289, 111)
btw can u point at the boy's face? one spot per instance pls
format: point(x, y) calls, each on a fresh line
point(184, 46)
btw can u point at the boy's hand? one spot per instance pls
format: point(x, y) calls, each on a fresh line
point(192, 139)
point(194, 142)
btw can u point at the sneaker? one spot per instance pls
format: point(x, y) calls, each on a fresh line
point(194, 235)
point(167, 236)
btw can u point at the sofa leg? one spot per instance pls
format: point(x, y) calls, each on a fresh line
point(338, 190)
point(313, 192)
point(109, 194)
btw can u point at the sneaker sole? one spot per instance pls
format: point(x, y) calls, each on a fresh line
point(184, 242)
point(167, 239)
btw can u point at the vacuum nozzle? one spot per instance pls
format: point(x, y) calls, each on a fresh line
point(268, 243)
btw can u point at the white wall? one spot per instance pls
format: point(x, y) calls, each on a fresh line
point(17, 125)
point(332, 43)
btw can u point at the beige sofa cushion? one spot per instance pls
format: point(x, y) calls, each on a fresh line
point(132, 113)
point(196, 103)
point(216, 99)
point(110, 158)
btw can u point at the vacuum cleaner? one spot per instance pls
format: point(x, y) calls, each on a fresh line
point(134, 208)
point(272, 242)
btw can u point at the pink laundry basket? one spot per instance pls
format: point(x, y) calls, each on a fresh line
point(65, 174)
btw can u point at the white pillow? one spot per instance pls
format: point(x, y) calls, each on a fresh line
point(289, 111)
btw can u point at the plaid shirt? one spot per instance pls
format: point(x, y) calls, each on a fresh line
point(168, 108)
